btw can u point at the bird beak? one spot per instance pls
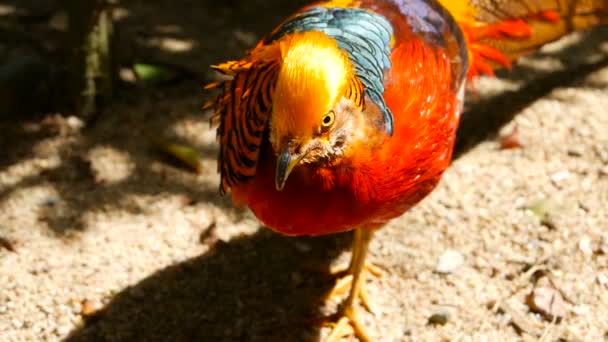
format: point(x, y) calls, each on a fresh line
point(285, 164)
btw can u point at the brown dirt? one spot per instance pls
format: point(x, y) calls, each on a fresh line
point(112, 242)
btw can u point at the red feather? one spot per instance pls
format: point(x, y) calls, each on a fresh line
point(372, 185)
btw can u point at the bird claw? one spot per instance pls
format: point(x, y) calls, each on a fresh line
point(355, 280)
point(344, 283)
point(340, 271)
point(347, 324)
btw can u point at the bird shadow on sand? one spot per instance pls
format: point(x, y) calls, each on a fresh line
point(253, 288)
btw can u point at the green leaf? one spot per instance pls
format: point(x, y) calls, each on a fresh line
point(541, 208)
point(155, 73)
point(185, 154)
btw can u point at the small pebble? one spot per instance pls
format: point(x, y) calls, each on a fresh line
point(548, 302)
point(585, 245)
point(581, 310)
point(302, 247)
point(186, 200)
point(604, 247)
point(511, 140)
point(209, 235)
point(560, 176)
point(602, 279)
point(74, 123)
point(63, 330)
point(127, 75)
point(89, 307)
point(50, 201)
point(17, 324)
point(440, 318)
point(449, 262)
point(576, 151)
point(7, 244)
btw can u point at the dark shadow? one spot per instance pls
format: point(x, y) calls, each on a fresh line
point(218, 31)
point(215, 31)
point(73, 179)
point(20, 140)
point(482, 119)
point(254, 288)
point(488, 116)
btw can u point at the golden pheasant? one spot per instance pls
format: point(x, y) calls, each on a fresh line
point(345, 115)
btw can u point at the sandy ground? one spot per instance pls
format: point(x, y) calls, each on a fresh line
point(110, 242)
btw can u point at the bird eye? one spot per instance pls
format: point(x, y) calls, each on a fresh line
point(328, 119)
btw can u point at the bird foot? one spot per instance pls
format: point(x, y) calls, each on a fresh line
point(342, 271)
point(355, 280)
point(345, 280)
point(347, 324)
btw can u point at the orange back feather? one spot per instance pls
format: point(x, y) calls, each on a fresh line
point(497, 33)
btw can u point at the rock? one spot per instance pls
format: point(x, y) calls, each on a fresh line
point(585, 245)
point(449, 262)
point(17, 324)
point(50, 201)
point(511, 140)
point(209, 235)
point(440, 318)
point(74, 123)
point(602, 279)
point(576, 151)
point(604, 247)
point(548, 302)
point(560, 176)
point(582, 311)
point(90, 308)
point(7, 244)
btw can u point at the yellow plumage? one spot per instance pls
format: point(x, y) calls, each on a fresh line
point(314, 75)
point(462, 11)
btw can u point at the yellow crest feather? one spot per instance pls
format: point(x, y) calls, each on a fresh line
point(313, 77)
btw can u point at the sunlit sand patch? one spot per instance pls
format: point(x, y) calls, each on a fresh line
point(110, 165)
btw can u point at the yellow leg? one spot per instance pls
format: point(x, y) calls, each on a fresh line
point(345, 280)
point(345, 274)
point(348, 321)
